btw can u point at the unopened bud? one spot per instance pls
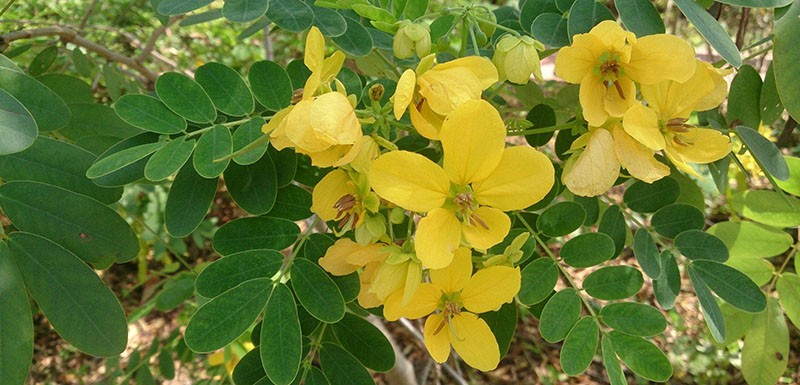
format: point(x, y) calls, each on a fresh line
point(516, 59)
point(411, 38)
point(376, 92)
point(486, 20)
point(397, 215)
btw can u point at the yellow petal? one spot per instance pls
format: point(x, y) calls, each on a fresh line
point(490, 288)
point(447, 89)
point(409, 180)
point(705, 145)
point(438, 236)
point(360, 155)
point(412, 282)
point(328, 191)
point(574, 62)
point(437, 337)
point(388, 279)
point(714, 97)
point(424, 302)
point(404, 93)
point(614, 38)
point(497, 226)
point(480, 67)
point(334, 120)
point(637, 159)
point(277, 129)
point(473, 137)
point(655, 58)
point(642, 123)
point(331, 66)
point(592, 96)
point(315, 50)
point(452, 278)
point(427, 122)
point(312, 83)
point(678, 100)
point(332, 156)
point(614, 103)
point(300, 131)
point(523, 177)
point(595, 169)
point(474, 342)
point(335, 259)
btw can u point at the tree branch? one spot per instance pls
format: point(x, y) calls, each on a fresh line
point(71, 36)
point(151, 41)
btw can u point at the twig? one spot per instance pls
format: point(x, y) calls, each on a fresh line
point(742, 28)
point(71, 36)
point(403, 371)
point(85, 18)
point(269, 54)
point(6, 7)
point(786, 138)
point(151, 41)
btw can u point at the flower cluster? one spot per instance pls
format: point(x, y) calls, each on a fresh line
point(609, 63)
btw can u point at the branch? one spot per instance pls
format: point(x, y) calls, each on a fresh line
point(151, 41)
point(71, 36)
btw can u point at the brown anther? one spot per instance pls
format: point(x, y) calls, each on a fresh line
point(479, 221)
point(344, 220)
point(345, 203)
point(297, 96)
point(678, 125)
point(463, 200)
point(440, 327)
point(678, 141)
point(619, 89)
point(452, 308)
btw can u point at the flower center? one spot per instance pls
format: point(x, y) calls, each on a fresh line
point(609, 70)
point(678, 130)
point(450, 308)
point(345, 214)
point(465, 207)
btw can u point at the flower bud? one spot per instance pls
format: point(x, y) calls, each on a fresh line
point(376, 92)
point(411, 38)
point(488, 26)
point(516, 58)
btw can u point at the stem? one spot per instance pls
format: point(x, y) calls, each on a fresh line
point(780, 270)
point(7, 6)
point(158, 238)
point(474, 40)
point(298, 245)
point(544, 130)
point(198, 132)
point(498, 26)
point(250, 147)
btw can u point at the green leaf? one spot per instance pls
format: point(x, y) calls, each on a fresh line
point(711, 30)
point(185, 97)
point(561, 219)
point(768, 207)
point(81, 62)
point(177, 7)
point(242, 11)
point(744, 105)
point(591, 206)
point(365, 342)
point(290, 15)
point(765, 152)
point(640, 17)
point(89, 119)
point(503, 324)
point(226, 88)
point(293, 203)
point(70, 88)
point(16, 335)
point(758, 3)
point(587, 250)
point(221, 320)
point(613, 369)
point(226, 273)
point(691, 194)
point(316, 291)
point(213, 145)
point(248, 370)
point(585, 14)
point(130, 173)
point(669, 221)
point(271, 84)
point(188, 201)
point(254, 187)
point(731, 285)
point(551, 29)
point(538, 280)
point(646, 252)
point(47, 108)
point(634, 318)
point(43, 61)
point(613, 282)
point(668, 285)
point(541, 115)
point(341, 368)
point(174, 293)
point(789, 294)
point(791, 185)
point(765, 352)
point(751, 240)
point(372, 12)
point(148, 113)
point(166, 364)
point(285, 164)
point(696, 245)
point(281, 342)
point(650, 197)
point(254, 28)
point(17, 126)
point(786, 54)
point(737, 323)
point(356, 41)
point(84, 226)
point(613, 224)
point(119, 160)
point(246, 135)
point(415, 8)
point(255, 233)
point(531, 9)
point(559, 315)
point(709, 306)
point(641, 356)
point(759, 270)
point(73, 298)
point(580, 346)
point(329, 22)
point(169, 159)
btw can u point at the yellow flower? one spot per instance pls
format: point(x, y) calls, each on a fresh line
point(597, 156)
point(516, 59)
point(323, 123)
point(345, 196)
point(410, 38)
point(661, 125)
point(434, 90)
point(608, 60)
point(480, 179)
point(458, 296)
point(346, 257)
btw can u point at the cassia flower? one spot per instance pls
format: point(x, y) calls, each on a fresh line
point(346, 257)
point(457, 296)
point(480, 179)
point(608, 60)
point(516, 58)
point(411, 38)
point(345, 196)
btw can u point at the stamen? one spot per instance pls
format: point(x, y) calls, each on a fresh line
point(619, 89)
point(440, 327)
point(479, 221)
point(297, 96)
point(345, 203)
